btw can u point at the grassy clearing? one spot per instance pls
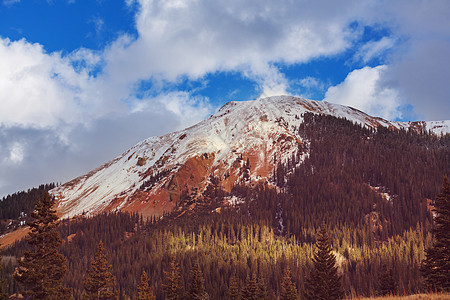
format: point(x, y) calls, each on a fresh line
point(410, 297)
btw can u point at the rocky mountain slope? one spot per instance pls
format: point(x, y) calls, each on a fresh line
point(242, 140)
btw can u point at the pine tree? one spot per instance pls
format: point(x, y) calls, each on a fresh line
point(386, 281)
point(172, 285)
point(100, 283)
point(323, 281)
point(197, 289)
point(288, 289)
point(436, 266)
point(42, 270)
point(233, 289)
point(251, 288)
point(145, 291)
point(261, 293)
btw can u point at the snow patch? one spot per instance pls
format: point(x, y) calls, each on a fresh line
point(233, 200)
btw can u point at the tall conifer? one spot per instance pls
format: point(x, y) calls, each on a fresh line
point(288, 289)
point(145, 292)
point(196, 288)
point(436, 266)
point(172, 285)
point(386, 281)
point(249, 292)
point(233, 289)
point(262, 293)
point(100, 283)
point(323, 281)
point(42, 270)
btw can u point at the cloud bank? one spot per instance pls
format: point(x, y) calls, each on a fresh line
point(60, 108)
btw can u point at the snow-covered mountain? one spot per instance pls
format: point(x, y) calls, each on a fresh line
point(241, 139)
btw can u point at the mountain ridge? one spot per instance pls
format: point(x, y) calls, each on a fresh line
point(242, 140)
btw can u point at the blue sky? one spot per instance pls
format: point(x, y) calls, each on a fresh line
point(82, 81)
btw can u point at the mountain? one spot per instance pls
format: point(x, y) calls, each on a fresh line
point(248, 189)
point(242, 141)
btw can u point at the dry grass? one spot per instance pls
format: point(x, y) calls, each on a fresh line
point(16, 235)
point(411, 297)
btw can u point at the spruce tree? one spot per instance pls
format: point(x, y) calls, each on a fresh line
point(233, 289)
point(172, 285)
point(100, 283)
point(323, 281)
point(145, 292)
point(196, 288)
point(436, 266)
point(42, 270)
point(249, 292)
point(386, 281)
point(262, 293)
point(288, 289)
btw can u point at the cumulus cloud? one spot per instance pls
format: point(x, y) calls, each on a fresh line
point(41, 90)
point(187, 108)
point(58, 120)
point(194, 38)
point(362, 90)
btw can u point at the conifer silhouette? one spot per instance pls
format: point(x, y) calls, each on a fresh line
point(249, 292)
point(387, 282)
point(42, 270)
point(196, 288)
point(172, 285)
point(288, 289)
point(323, 281)
point(100, 283)
point(262, 293)
point(145, 292)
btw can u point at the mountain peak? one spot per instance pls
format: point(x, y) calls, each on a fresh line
point(243, 140)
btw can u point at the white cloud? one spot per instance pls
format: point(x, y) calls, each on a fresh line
point(16, 153)
point(362, 90)
point(374, 49)
point(98, 24)
point(309, 86)
point(311, 82)
point(188, 109)
point(58, 121)
point(270, 80)
point(42, 90)
point(193, 38)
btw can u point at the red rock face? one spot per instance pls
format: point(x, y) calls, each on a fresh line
point(192, 178)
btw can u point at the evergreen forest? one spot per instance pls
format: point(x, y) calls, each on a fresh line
point(369, 193)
